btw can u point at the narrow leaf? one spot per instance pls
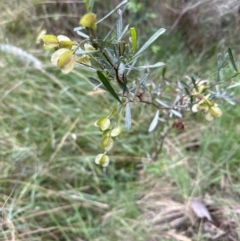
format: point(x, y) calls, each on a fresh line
point(107, 84)
point(162, 103)
point(80, 33)
point(96, 83)
point(233, 86)
point(132, 65)
point(128, 118)
point(232, 59)
point(116, 8)
point(219, 61)
point(143, 79)
point(194, 83)
point(150, 41)
point(158, 64)
point(113, 58)
point(81, 51)
point(176, 113)
point(164, 72)
point(114, 25)
point(186, 87)
point(184, 84)
point(133, 33)
point(219, 66)
point(119, 23)
point(154, 122)
point(110, 32)
point(123, 32)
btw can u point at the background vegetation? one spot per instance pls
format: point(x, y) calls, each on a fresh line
point(50, 187)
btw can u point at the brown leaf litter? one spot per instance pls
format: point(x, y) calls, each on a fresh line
point(164, 217)
point(208, 217)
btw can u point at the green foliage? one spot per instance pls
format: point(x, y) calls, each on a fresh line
point(114, 59)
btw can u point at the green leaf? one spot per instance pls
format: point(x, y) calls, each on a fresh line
point(186, 87)
point(133, 33)
point(194, 83)
point(232, 59)
point(107, 84)
point(150, 41)
point(96, 83)
point(164, 72)
point(221, 63)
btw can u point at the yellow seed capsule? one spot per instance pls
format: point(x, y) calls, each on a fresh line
point(50, 41)
point(116, 131)
point(102, 160)
point(85, 59)
point(106, 133)
point(88, 47)
point(103, 123)
point(89, 21)
point(65, 42)
point(64, 59)
point(106, 143)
